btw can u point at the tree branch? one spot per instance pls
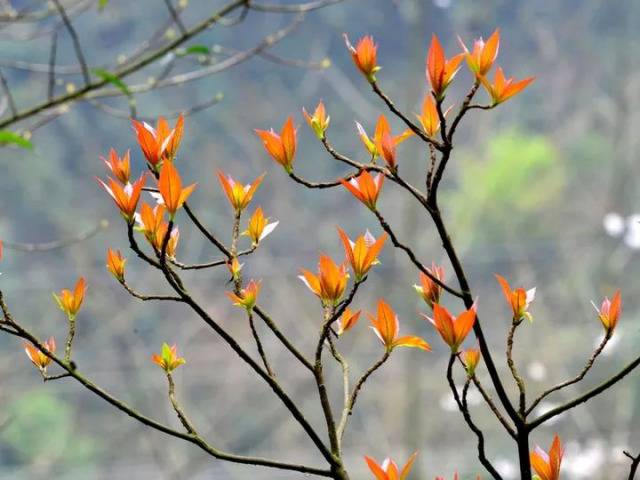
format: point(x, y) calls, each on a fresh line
point(283, 339)
point(188, 426)
point(259, 346)
point(348, 410)
point(175, 16)
point(463, 110)
point(75, 40)
point(464, 409)
point(576, 379)
point(468, 302)
point(52, 66)
point(299, 8)
point(387, 228)
point(129, 68)
point(412, 126)
point(587, 396)
point(214, 263)
point(8, 95)
point(345, 386)
point(493, 407)
point(321, 185)
point(123, 407)
point(207, 234)
point(318, 371)
point(635, 463)
point(147, 298)
point(57, 244)
point(173, 280)
point(514, 370)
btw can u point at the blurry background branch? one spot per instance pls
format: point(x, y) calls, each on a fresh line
point(57, 244)
point(164, 49)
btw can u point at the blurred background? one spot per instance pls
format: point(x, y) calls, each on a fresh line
point(541, 190)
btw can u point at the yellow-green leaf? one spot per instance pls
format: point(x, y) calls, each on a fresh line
point(11, 138)
point(194, 50)
point(112, 78)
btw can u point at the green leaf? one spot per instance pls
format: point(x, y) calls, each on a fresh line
point(11, 138)
point(113, 79)
point(195, 50)
point(102, 4)
point(166, 352)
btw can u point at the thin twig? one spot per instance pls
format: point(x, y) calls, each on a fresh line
point(444, 160)
point(214, 263)
point(345, 386)
point(331, 314)
point(432, 167)
point(482, 107)
point(463, 110)
point(412, 126)
point(52, 66)
point(322, 185)
point(514, 370)
point(71, 333)
point(147, 298)
point(8, 95)
point(293, 62)
point(348, 409)
point(188, 426)
point(464, 409)
point(121, 113)
point(387, 228)
point(299, 8)
point(182, 79)
point(487, 398)
point(57, 244)
point(334, 315)
point(230, 22)
point(235, 234)
point(49, 378)
point(130, 68)
point(207, 234)
point(75, 40)
point(372, 167)
point(489, 401)
point(175, 16)
point(576, 379)
point(587, 396)
point(237, 288)
point(344, 159)
point(318, 371)
point(283, 339)
point(259, 346)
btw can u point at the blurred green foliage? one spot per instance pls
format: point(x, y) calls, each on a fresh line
point(516, 179)
point(42, 425)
